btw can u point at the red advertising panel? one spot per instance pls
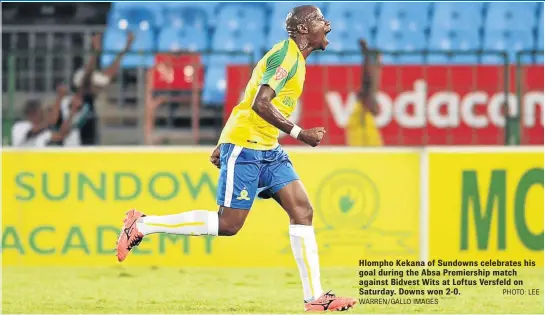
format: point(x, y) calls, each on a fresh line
point(418, 105)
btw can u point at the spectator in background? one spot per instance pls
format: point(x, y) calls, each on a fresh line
point(35, 130)
point(99, 80)
point(40, 128)
point(63, 109)
point(361, 129)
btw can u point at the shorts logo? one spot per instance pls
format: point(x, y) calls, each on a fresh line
point(243, 195)
point(280, 74)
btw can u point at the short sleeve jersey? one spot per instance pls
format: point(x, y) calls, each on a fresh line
point(282, 69)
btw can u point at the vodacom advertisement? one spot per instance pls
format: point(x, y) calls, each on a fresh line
point(418, 105)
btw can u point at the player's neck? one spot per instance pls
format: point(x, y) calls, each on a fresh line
point(304, 46)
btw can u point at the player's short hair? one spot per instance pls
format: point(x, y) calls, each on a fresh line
point(298, 15)
point(31, 106)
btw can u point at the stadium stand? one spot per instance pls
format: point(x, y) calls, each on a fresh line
point(351, 23)
point(457, 16)
point(236, 33)
point(443, 39)
point(190, 17)
point(387, 26)
point(403, 27)
point(131, 15)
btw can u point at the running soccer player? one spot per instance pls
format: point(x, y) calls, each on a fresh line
point(252, 163)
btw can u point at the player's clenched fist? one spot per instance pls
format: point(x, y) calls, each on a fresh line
point(312, 136)
point(215, 157)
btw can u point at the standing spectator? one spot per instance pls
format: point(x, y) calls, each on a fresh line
point(99, 80)
point(362, 129)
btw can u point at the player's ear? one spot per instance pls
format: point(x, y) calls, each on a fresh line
point(302, 28)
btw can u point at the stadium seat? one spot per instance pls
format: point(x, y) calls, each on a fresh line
point(113, 42)
point(195, 39)
point(352, 23)
point(175, 39)
point(215, 84)
point(251, 44)
point(131, 15)
point(276, 35)
point(342, 42)
point(446, 40)
point(402, 26)
point(457, 16)
point(208, 7)
point(342, 14)
point(508, 16)
point(195, 18)
point(510, 41)
point(411, 17)
point(242, 44)
point(141, 52)
point(242, 17)
point(401, 41)
point(169, 39)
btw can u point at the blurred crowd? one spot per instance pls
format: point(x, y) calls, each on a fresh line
point(71, 120)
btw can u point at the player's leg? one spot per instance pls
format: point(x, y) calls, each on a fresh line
point(280, 181)
point(293, 198)
point(236, 191)
point(225, 222)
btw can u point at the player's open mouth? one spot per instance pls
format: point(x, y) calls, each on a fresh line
point(325, 35)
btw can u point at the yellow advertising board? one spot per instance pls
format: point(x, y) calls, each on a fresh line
point(486, 205)
point(66, 208)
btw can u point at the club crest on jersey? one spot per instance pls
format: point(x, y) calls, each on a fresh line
point(280, 74)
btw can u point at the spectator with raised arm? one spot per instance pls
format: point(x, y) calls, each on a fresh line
point(99, 80)
point(362, 129)
point(62, 111)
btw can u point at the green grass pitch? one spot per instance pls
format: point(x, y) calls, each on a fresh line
point(220, 290)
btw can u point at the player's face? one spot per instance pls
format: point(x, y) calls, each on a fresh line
point(319, 28)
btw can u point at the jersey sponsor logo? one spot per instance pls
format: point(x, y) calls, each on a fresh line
point(280, 74)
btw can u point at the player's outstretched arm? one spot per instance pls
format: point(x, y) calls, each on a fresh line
point(263, 107)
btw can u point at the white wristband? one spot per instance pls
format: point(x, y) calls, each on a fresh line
point(295, 131)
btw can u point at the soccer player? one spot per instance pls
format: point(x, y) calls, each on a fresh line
point(253, 164)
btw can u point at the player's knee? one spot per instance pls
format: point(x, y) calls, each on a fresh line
point(229, 229)
point(303, 215)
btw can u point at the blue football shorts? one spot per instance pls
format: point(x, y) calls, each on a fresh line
point(247, 173)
